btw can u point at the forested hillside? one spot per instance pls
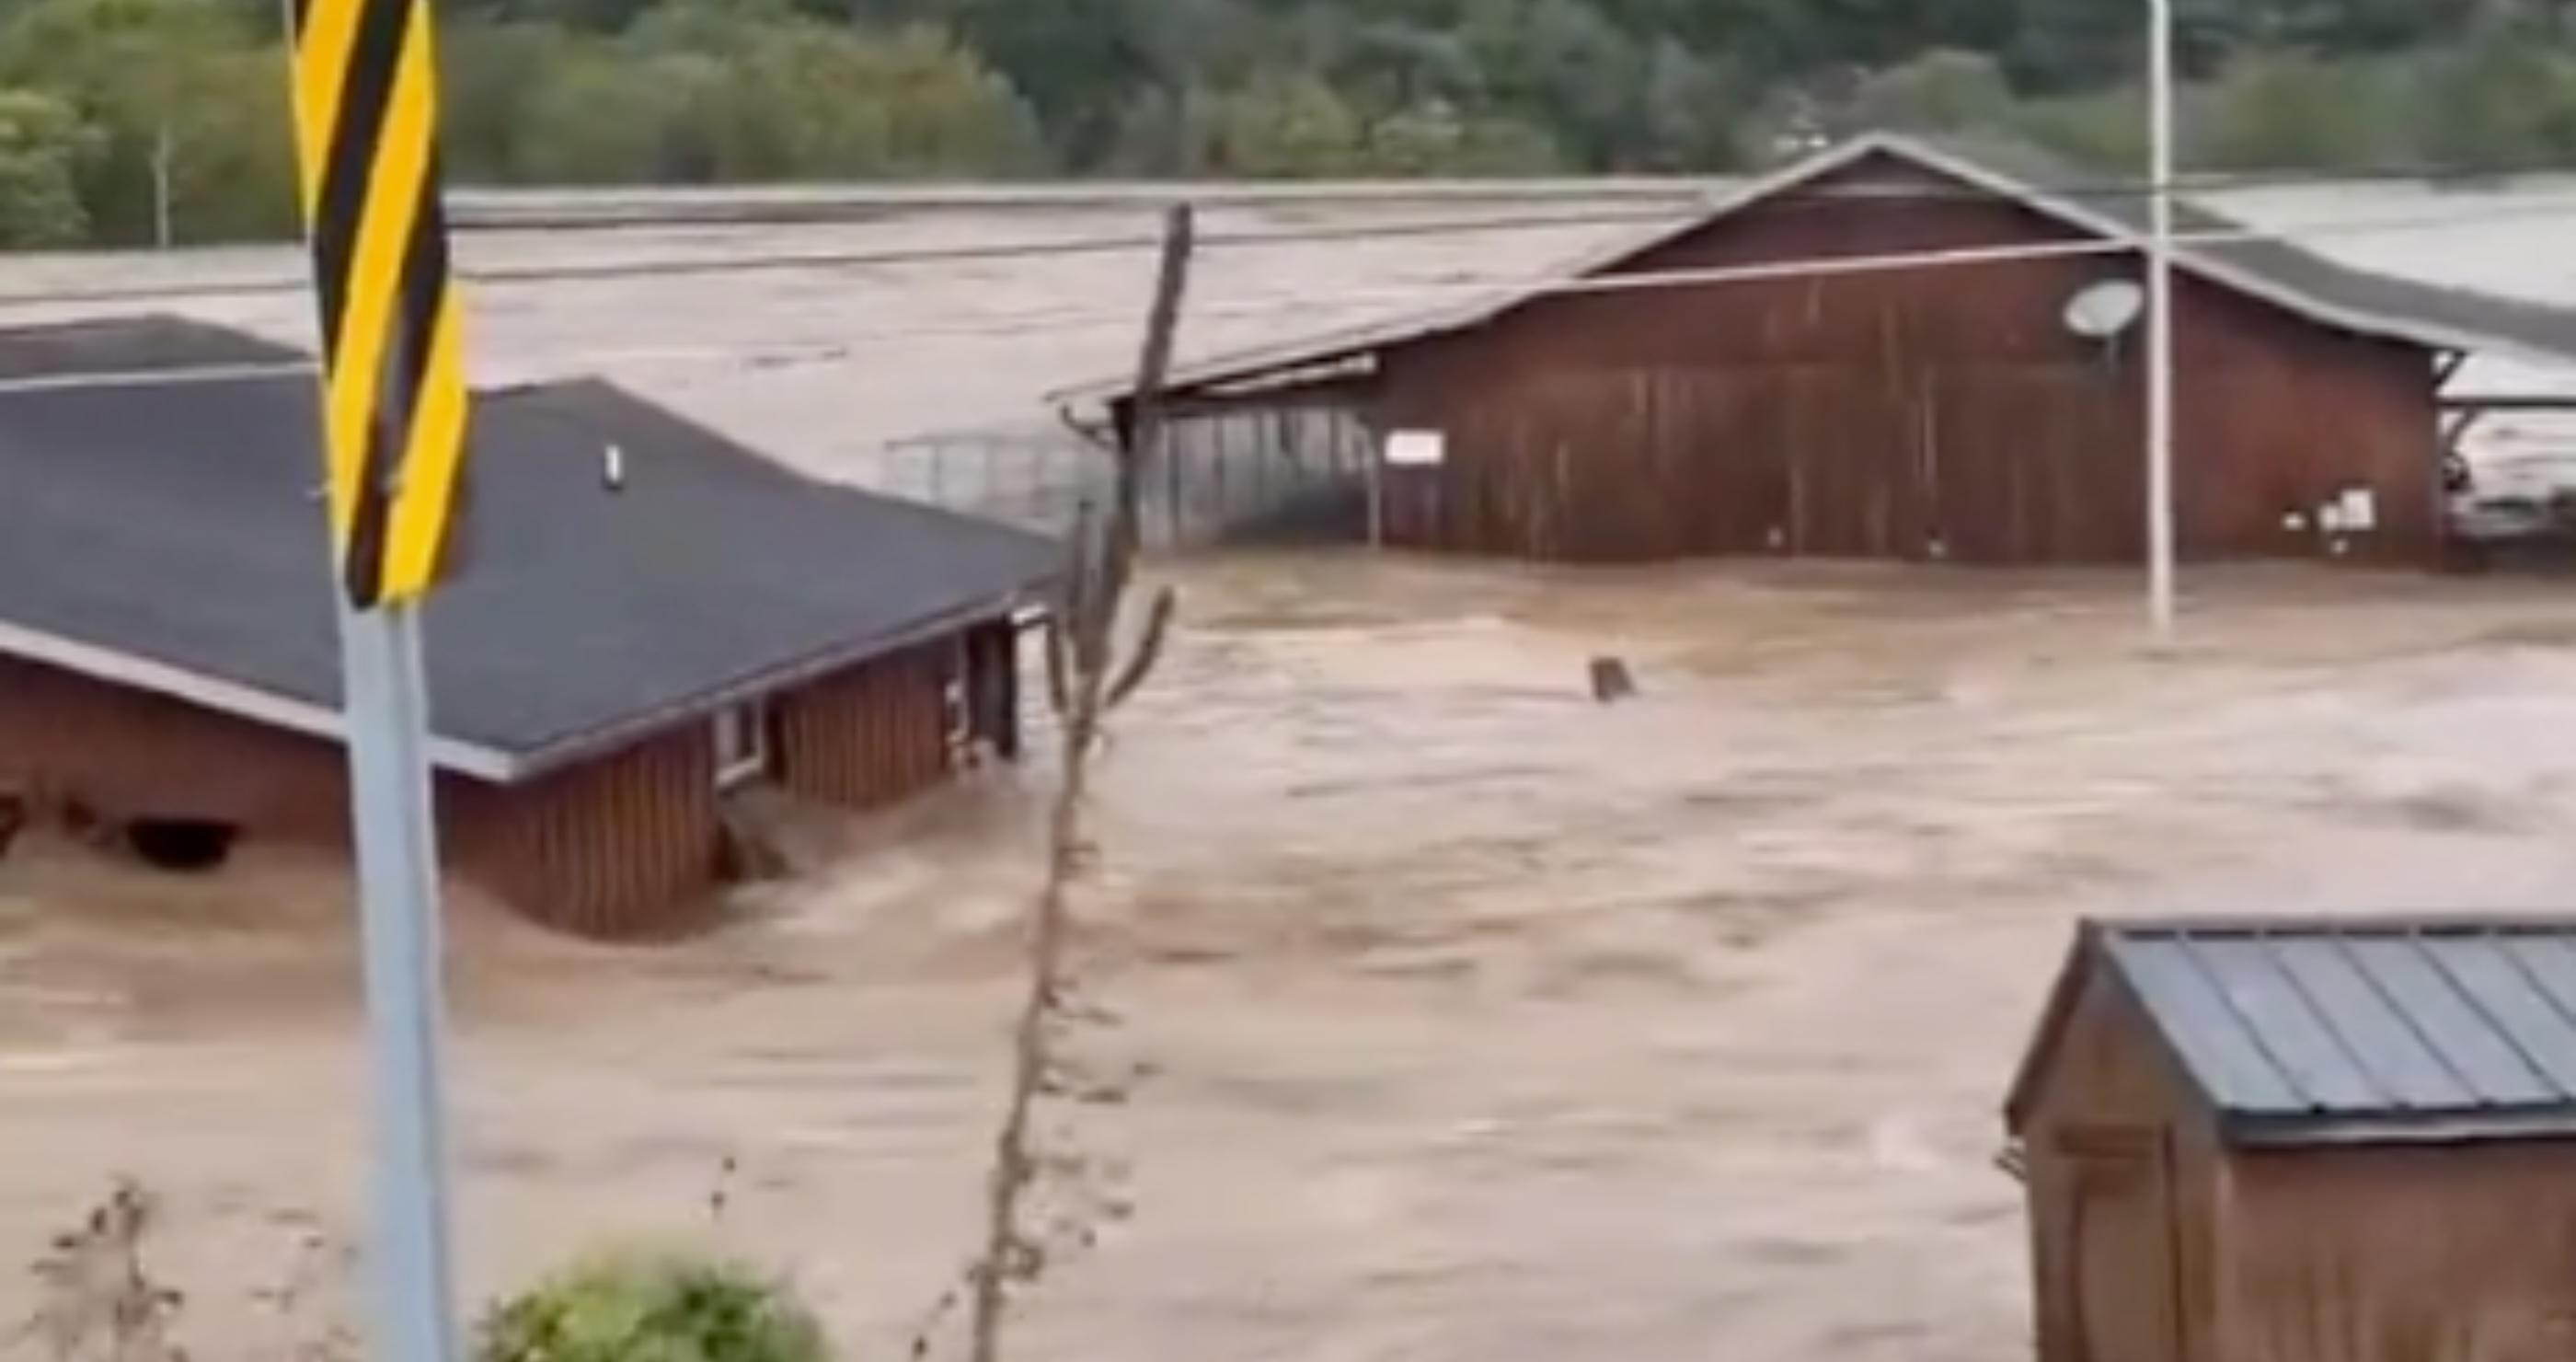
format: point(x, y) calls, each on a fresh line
point(121, 120)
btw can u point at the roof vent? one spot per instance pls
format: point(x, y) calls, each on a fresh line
point(612, 468)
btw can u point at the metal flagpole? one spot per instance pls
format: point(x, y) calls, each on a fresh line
point(393, 415)
point(2160, 328)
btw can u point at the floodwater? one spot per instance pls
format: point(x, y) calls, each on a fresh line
point(866, 350)
point(1477, 1020)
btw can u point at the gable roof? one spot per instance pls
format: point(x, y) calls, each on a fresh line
point(2239, 259)
point(169, 536)
point(2324, 1031)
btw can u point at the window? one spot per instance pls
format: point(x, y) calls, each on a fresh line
point(742, 745)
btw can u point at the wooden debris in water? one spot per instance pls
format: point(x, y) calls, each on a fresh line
point(1611, 680)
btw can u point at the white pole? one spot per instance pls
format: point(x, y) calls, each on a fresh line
point(2160, 328)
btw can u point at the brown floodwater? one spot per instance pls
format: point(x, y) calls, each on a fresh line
point(1481, 1021)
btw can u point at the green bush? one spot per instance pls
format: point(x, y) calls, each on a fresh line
point(653, 1306)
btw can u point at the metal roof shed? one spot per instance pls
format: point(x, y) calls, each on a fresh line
point(2305, 1139)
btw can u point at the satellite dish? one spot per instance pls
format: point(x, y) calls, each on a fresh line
point(2102, 310)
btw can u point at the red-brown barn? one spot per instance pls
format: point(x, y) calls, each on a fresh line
point(633, 636)
point(1940, 410)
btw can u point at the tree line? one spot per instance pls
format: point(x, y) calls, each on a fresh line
point(134, 121)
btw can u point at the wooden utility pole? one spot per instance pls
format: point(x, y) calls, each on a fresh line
point(1084, 683)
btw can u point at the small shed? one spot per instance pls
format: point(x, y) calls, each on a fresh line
point(2305, 1141)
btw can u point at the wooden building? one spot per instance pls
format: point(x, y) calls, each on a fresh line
point(1956, 402)
point(2305, 1141)
point(648, 618)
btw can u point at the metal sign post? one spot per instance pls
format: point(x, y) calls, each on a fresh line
point(415, 1319)
point(393, 403)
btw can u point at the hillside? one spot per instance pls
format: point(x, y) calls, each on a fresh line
point(128, 121)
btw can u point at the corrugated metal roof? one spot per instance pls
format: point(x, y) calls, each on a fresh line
point(2310, 1031)
point(2207, 243)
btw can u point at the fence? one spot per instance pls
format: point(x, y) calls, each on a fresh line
point(1211, 479)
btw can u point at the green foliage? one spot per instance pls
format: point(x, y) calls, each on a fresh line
point(2268, 110)
point(1943, 90)
point(2503, 97)
point(121, 117)
point(42, 146)
point(657, 1306)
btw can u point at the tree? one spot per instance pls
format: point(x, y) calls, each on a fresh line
point(1690, 112)
point(147, 76)
point(2504, 103)
point(1564, 65)
point(494, 78)
point(2269, 111)
point(1290, 126)
point(178, 106)
point(1943, 90)
point(604, 117)
point(805, 101)
point(1433, 138)
point(41, 146)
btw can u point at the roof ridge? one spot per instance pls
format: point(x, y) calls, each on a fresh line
point(2324, 926)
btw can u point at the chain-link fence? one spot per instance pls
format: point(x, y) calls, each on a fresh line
point(1293, 473)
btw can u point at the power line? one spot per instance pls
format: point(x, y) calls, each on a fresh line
point(1046, 248)
point(1453, 290)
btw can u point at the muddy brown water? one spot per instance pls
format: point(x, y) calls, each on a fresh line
point(1483, 1021)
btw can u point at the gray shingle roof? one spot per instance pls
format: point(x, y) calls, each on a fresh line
point(2303, 1032)
point(178, 523)
point(2230, 254)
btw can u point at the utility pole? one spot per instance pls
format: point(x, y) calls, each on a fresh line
point(1084, 683)
point(393, 417)
point(2160, 319)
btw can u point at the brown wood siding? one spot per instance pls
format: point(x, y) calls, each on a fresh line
point(2120, 1179)
point(872, 736)
point(609, 848)
point(2461, 1253)
point(1872, 413)
point(620, 846)
point(67, 736)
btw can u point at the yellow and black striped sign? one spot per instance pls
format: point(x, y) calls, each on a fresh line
point(366, 121)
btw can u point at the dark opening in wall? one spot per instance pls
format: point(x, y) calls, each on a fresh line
point(184, 845)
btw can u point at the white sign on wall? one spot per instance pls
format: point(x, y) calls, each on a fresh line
point(1415, 449)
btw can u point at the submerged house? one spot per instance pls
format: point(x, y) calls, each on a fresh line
point(648, 617)
point(2305, 1141)
point(1901, 348)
